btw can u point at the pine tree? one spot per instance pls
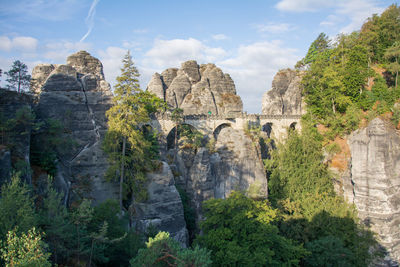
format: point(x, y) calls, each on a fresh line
point(393, 54)
point(125, 143)
point(18, 77)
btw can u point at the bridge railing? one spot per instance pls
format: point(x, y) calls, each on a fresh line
point(243, 115)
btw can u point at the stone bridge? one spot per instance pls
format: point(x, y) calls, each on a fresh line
point(274, 125)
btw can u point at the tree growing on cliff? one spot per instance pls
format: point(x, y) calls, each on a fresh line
point(125, 143)
point(18, 77)
point(393, 55)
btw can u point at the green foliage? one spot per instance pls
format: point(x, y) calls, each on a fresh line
point(16, 207)
point(165, 251)
point(240, 231)
point(130, 152)
point(296, 167)
point(319, 45)
point(328, 251)
point(25, 250)
point(47, 142)
point(301, 188)
point(189, 137)
point(55, 221)
point(18, 77)
point(393, 55)
point(81, 217)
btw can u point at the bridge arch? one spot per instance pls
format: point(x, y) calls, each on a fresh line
point(218, 129)
point(174, 130)
point(267, 127)
point(293, 125)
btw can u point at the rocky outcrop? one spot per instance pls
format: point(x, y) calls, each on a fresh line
point(17, 107)
point(197, 89)
point(285, 94)
point(77, 95)
point(233, 164)
point(375, 175)
point(163, 209)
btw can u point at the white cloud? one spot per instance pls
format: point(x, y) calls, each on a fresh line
point(254, 67)
point(273, 27)
point(220, 37)
point(25, 43)
point(58, 51)
point(170, 53)
point(5, 43)
point(355, 12)
point(21, 43)
point(90, 19)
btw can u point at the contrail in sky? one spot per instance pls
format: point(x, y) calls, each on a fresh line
point(90, 19)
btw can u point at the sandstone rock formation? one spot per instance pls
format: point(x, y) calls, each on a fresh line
point(234, 164)
point(197, 89)
point(375, 175)
point(77, 95)
point(285, 94)
point(163, 208)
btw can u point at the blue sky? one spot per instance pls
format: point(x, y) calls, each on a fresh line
point(251, 40)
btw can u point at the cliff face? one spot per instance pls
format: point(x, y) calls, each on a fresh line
point(285, 94)
point(375, 176)
point(77, 95)
point(233, 164)
point(197, 89)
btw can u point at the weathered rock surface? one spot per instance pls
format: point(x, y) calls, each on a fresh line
point(235, 165)
point(163, 209)
point(12, 105)
point(77, 95)
point(375, 175)
point(197, 89)
point(285, 94)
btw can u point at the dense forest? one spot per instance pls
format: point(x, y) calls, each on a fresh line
point(347, 82)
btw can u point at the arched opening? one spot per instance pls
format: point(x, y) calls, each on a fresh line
point(293, 126)
point(219, 128)
point(267, 128)
point(187, 130)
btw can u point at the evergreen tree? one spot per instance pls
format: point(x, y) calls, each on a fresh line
point(128, 149)
point(18, 77)
point(16, 207)
point(393, 55)
point(25, 250)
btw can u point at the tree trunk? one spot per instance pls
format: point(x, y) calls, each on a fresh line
point(121, 179)
point(333, 106)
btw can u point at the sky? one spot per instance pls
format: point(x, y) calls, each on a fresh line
point(251, 40)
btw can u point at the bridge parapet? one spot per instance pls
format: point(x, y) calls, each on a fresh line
point(244, 115)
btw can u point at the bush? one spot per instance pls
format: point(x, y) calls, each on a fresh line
point(164, 251)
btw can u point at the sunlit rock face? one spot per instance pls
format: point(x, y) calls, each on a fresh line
point(375, 176)
point(77, 95)
point(284, 98)
point(197, 89)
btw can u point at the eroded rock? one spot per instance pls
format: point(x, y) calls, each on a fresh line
point(375, 175)
point(285, 94)
point(163, 209)
point(197, 89)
